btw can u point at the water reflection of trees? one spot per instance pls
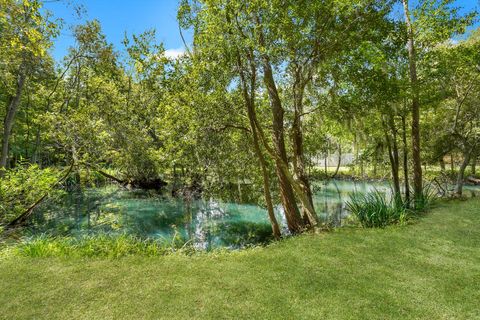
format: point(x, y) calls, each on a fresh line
point(217, 224)
point(330, 198)
point(74, 211)
point(206, 223)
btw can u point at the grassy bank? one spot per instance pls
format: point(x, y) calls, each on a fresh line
point(426, 270)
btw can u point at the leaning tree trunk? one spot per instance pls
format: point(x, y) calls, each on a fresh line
point(249, 103)
point(249, 100)
point(461, 172)
point(266, 183)
point(412, 60)
point(10, 118)
point(298, 153)
point(292, 213)
point(339, 161)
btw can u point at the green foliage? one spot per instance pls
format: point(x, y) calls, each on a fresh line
point(340, 68)
point(376, 209)
point(26, 31)
point(21, 187)
point(425, 200)
point(104, 246)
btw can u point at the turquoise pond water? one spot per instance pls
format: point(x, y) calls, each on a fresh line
point(206, 223)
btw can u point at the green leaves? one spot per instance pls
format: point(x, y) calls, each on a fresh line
point(26, 32)
point(436, 21)
point(21, 187)
point(376, 209)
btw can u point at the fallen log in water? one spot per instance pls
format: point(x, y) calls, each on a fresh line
point(153, 184)
point(109, 176)
point(473, 180)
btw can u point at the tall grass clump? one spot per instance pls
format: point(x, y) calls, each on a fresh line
point(424, 201)
point(105, 246)
point(376, 209)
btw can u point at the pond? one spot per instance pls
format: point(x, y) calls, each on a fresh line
point(206, 223)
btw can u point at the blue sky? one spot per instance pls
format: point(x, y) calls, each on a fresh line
point(135, 16)
point(120, 16)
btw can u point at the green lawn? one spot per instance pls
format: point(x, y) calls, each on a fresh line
point(426, 270)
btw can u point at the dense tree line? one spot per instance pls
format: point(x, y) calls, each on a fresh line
point(265, 87)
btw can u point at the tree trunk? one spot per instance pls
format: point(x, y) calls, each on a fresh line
point(405, 160)
point(474, 165)
point(298, 154)
point(452, 163)
point(240, 193)
point(393, 156)
point(396, 158)
point(339, 162)
point(294, 219)
point(250, 104)
point(266, 184)
point(109, 176)
point(412, 60)
point(442, 164)
point(286, 191)
point(263, 164)
point(461, 172)
point(27, 122)
point(268, 196)
point(325, 163)
point(10, 118)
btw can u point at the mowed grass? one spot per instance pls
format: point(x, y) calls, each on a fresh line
point(426, 270)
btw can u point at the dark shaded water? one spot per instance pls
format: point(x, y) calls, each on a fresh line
point(206, 223)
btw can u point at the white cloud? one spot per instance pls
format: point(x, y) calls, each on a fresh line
point(174, 53)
